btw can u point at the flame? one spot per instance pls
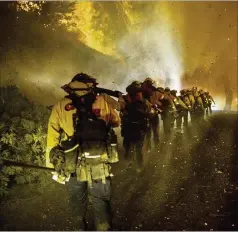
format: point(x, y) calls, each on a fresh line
point(149, 43)
point(82, 21)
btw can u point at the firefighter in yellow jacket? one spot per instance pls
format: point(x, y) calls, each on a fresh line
point(153, 96)
point(81, 145)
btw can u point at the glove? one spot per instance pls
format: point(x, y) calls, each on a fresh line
point(57, 158)
point(60, 178)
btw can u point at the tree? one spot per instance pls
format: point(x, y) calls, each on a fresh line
point(23, 129)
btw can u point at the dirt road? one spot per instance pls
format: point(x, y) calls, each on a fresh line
point(189, 183)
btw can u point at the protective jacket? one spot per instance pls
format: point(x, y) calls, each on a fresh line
point(134, 113)
point(198, 104)
point(152, 95)
point(168, 106)
point(111, 101)
point(124, 100)
point(210, 99)
point(179, 104)
point(61, 127)
point(186, 101)
point(205, 100)
point(191, 99)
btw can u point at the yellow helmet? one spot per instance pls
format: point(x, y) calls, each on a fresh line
point(136, 83)
point(149, 81)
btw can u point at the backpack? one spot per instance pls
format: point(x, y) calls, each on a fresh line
point(135, 120)
point(92, 135)
point(204, 100)
point(197, 106)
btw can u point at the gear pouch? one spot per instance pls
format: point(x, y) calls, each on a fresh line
point(71, 159)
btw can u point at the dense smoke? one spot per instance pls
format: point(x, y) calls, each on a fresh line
point(178, 44)
point(147, 47)
point(152, 53)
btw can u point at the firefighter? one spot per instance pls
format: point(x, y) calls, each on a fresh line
point(189, 93)
point(82, 159)
point(168, 112)
point(134, 113)
point(210, 101)
point(198, 107)
point(153, 96)
point(204, 101)
point(184, 97)
point(182, 111)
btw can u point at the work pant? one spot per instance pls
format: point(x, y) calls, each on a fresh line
point(133, 149)
point(192, 116)
point(209, 109)
point(133, 145)
point(168, 119)
point(182, 115)
point(153, 127)
point(100, 194)
point(134, 137)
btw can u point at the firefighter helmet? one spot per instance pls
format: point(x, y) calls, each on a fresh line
point(149, 81)
point(85, 78)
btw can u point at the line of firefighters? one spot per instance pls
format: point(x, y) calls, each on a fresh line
point(140, 109)
point(82, 145)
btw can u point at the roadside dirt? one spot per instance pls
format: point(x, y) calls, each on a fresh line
point(189, 183)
